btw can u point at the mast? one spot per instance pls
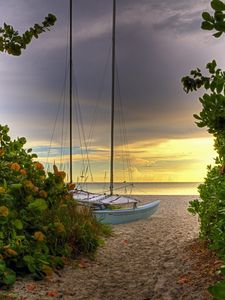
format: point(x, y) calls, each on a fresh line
point(112, 97)
point(71, 95)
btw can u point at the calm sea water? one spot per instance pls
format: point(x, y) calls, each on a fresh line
point(148, 188)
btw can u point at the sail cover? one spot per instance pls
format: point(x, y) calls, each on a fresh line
point(84, 196)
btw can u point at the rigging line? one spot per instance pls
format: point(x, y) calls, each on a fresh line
point(57, 116)
point(86, 148)
point(60, 98)
point(121, 123)
point(84, 140)
point(99, 98)
point(80, 128)
point(77, 120)
point(125, 144)
point(120, 187)
point(127, 156)
point(81, 131)
point(62, 132)
point(120, 127)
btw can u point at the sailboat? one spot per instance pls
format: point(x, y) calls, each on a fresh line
point(102, 203)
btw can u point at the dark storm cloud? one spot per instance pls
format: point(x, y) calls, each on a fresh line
point(154, 50)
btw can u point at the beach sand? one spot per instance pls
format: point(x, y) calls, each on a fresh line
point(149, 259)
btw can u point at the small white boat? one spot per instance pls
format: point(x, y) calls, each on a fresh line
point(127, 215)
point(104, 205)
point(101, 207)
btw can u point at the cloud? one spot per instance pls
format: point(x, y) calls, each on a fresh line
point(158, 42)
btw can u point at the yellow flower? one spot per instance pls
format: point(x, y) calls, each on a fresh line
point(42, 178)
point(62, 174)
point(43, 194)
point(55, 169)
point(71, 186)
point(10, 251)
point(47, 270)
point(35, 189)
point(4, 211)
point(2, 151)
point(15, 166)
point(23, 171)
point(39, 236)
point(59, 227)
point(29, 184)
point(38, 165)
point(2, 189)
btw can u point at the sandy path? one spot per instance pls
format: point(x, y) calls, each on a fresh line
point(142, 260)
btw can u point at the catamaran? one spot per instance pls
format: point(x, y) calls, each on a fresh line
point(102, 203)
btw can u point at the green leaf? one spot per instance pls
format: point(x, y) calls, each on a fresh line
point(38, 204)
point(2, 266)
point(218, 5)
point(197, 117)
point(220, 26)
point(206, 16)
point(207, 26)
point(18, 224)
point(207, 85)
point(218, 290)
point(218, 34)
point(200, 124)
point(222, 270)
point(9, 277)
point(30, 262)
point(6, 138)
point(219, 87)
point(16, 186)
point(213, 85)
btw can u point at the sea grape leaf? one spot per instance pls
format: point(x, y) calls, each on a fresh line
point(218, 5)
point(207, 25)
point(206, 16)
point(30, 262)
point(38, 204)
point(18, 224)
point(9, 277)
point(197, 117)
point(218, 34)
point(16, 186)
point(218, 290)
point(2, 266)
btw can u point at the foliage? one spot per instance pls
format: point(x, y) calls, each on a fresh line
point(12, 43)
point(211, 207)
point(40, 223)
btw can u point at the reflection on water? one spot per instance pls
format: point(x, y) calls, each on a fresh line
point(148, 188)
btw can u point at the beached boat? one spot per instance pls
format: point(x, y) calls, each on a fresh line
point(102, 203)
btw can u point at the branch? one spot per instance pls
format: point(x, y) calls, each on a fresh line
point(13, 43)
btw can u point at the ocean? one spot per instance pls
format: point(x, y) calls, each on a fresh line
point(147, 188)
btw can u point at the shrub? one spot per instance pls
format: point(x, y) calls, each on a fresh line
point(39, 220)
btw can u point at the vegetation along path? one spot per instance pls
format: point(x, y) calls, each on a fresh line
point(153, 259)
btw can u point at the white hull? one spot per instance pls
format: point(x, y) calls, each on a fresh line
point(115, 216)
point(121, 216)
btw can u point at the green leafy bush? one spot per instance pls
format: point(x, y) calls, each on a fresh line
point(40, 223)
point(211, 206)
point(211, 209)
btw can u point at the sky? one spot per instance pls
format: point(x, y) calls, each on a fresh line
point(157, 43)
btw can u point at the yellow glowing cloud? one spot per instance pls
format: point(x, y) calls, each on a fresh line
point(169, 160)
point(173, 160)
